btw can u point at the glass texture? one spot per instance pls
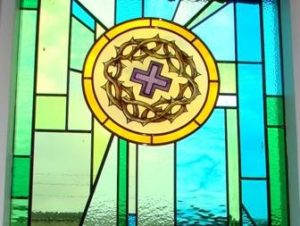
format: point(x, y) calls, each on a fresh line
point(54, 120)
point(20, 179)
point(19, 212)
point(25, 83)
point(275, 111)
point(133, 10)
point(29, 4)
point(248, 32)
point(251, 111)
point(203, 154)
point(161, 9)
point(83, 16)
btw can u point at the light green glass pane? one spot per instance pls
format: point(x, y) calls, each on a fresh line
point(132, 178)
point(50, 112)
point(30, 4)
point(25, 83)
point(53, 52)
point(156, 185)
point(214, 6)
point(19, 212)
point(227, 77)
point(101, 139)
point(79, 113)
point(278, 177)
point(81, 41)
point(275, 111)
point(103, 207)
point(61, 182)
point(233, 168)
point(21, 177)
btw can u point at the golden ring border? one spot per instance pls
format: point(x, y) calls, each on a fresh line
point(187, 129)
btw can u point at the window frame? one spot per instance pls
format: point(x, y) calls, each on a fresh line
point(290, 19)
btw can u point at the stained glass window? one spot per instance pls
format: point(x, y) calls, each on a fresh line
point(149, 112)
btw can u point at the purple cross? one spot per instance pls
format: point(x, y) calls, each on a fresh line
point(151, 79)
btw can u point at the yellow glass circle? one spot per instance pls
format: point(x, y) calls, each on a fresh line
point(150, 81)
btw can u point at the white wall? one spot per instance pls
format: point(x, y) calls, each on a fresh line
point(7, 18)
point(292, 81)
point(291, 56)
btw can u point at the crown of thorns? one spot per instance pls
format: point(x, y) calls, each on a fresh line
point(123, 96)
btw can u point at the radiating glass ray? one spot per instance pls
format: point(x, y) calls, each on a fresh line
point(61, 180)
point(53, 46)
point(160, 9)
point(218, 33)
point(103, 207)
point(103, 10)
point(83, 15)
point(201, 174)
point(81, 41)
point(227, 73)
point(155, 185)
point(187, 10)
point(204, 14)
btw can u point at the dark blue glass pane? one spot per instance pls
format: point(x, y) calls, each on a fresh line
point(252, 139)
point(201, 174)
point(248, 32)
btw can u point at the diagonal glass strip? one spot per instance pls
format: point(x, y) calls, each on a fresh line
point(204, 14)
point(102, 209)
point(82, 15)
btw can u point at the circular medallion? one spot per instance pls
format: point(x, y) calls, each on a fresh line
point(150, 81)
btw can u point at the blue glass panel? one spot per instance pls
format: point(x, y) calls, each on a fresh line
point(218, 33)
point(160, 8)
point(131, 220)
point(272, 48)
point(248, 32)
point(82, 15)
point(127, 10)
point(201, 174)
point(254, 196)
point(250, 92)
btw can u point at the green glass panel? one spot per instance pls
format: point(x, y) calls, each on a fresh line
point(155, 185)
point(101, 139)
point(103, 207)
point(278, 177)
point(275, 111)
point(79, 113)
point(25, 83)
point(53, 51)
point(30, 4)
point(233, 167)
point(132, 166)
point(50, 112)
point(19, 212)
point(81, 41)
point(227, 77)
point(122, 175)
point(61, 178)
point(21, 177)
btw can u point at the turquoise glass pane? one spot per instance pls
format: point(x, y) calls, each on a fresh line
point(218, 33)
point(254, 198)
point(199, 157)
point(160, 8)
point(248, 32)
point(126, 10)
point(252, 137)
